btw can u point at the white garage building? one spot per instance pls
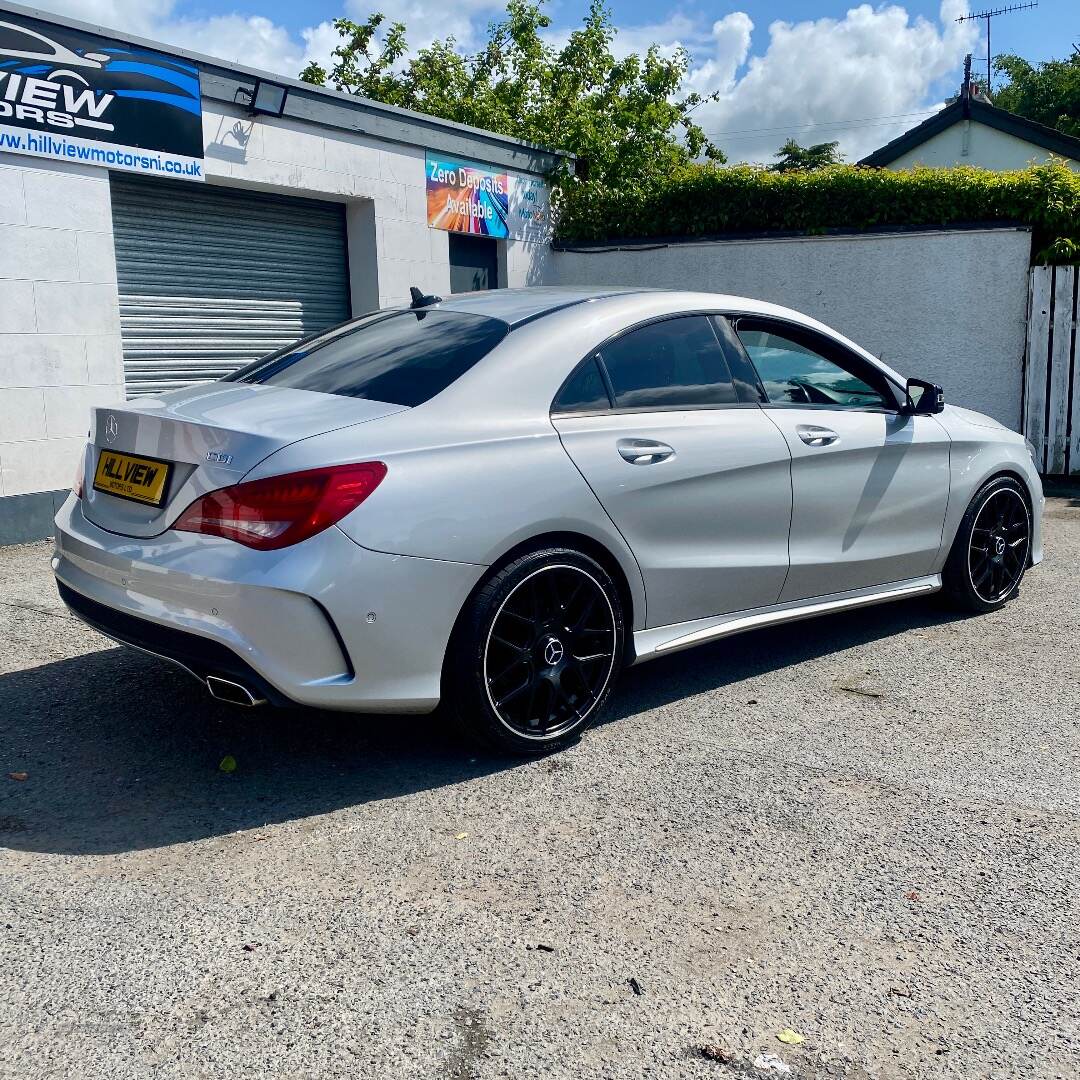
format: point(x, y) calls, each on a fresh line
point(166, 217)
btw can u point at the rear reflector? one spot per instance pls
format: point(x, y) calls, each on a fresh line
point(282, 510)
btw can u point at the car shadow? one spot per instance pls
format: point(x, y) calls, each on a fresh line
point(733, 660)
point(122, 752)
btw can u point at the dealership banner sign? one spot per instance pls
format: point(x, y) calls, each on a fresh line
point(469, 198)
point(74, 96)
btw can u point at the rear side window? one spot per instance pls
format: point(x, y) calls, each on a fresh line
point(742, 371)
point(404, 358)
point(584, 392)
point(673, 364)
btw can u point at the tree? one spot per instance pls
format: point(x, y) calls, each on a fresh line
point(793, 156)
point(1048, 93)
point(625, 115)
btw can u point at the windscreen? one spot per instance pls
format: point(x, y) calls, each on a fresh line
point(402, 357)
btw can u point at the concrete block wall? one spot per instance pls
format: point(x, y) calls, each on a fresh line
point(528, 264)
point(60, 348)
point(949, 306)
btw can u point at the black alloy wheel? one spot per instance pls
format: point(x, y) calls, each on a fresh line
point(998, 550)
point(992, 548)
point(538, 652)
point(550, 651)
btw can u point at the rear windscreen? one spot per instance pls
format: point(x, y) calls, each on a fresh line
point(403, 357)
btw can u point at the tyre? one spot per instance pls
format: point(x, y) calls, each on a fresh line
point(536, 652)
point(991, 549)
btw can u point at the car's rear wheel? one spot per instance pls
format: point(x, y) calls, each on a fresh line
point(991, 549)
point(536, 652)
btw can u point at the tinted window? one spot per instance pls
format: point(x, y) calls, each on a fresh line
point(669, 365)
point(742, 371)
point(795, 370)
point(404, 358)
point(584, 393)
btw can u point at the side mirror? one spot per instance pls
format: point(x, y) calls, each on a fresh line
point(924, 398)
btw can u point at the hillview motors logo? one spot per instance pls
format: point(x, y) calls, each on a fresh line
point(42, 100)
point(69, 94)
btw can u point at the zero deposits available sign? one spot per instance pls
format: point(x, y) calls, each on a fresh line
point(465, 197)
point(70, 95)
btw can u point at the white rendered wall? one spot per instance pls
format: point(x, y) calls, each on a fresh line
point(291, 157)
point(987, 148)
point(60, 348)
point(946, 306)
point(59, 323)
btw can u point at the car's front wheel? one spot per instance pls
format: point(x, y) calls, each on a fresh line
point(991, 549)
point(536, 652)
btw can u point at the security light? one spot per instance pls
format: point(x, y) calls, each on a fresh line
point(268, 99)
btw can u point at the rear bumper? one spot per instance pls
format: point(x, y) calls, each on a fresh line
point(199, 656)
point(295, 624)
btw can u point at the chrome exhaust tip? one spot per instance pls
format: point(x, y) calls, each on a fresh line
point(233, 692)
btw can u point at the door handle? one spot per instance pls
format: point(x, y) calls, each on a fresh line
point(813, 435)
point(643, 451)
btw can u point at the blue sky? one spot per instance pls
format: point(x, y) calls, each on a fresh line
point(815, 70)
point(1036, 34)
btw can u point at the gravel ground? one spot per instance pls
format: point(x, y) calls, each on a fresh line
point(864, 828)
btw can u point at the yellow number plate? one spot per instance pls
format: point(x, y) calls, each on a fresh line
point(129, 477)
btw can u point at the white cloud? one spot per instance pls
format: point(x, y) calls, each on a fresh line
point(730, 46)
point(257, 42)
point(138, 17)
point(247, 39)
point(875, 62)
point(812, 75)
point(677, 29)
point(426, 20)
point(320, 42)
point(250, 40)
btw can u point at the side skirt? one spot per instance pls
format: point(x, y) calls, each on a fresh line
point(660, 640)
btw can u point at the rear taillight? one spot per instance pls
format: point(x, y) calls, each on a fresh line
point(282, 510)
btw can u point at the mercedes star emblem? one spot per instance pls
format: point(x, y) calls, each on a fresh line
point(553, 652)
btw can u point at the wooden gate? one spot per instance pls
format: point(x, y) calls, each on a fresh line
point(1052, 369)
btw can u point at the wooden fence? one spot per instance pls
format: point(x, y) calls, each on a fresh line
point(1051, 408)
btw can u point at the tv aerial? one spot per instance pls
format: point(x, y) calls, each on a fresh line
point(988, 15)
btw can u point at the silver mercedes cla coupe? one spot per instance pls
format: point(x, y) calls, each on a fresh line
point(498, 500)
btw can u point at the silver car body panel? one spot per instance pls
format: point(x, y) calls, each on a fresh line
point(661, 640)
point(980, 448)
point(282, 611)
point(213, 433)
point(359, 616)
point(709, 523)
point(868, 506)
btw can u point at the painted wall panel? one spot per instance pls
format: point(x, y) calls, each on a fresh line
point(946, 306)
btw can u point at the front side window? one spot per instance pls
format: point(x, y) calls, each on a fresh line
point(403, 358)
point(795, 370)
point(672, 364)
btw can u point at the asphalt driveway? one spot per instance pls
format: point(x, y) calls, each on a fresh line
point(865, 829)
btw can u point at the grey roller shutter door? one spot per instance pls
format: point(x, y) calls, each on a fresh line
point(212, 278)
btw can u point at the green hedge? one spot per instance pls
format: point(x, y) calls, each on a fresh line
point(703, 200)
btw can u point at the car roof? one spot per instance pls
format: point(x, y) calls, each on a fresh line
point(520, 306)
point(517, 306)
